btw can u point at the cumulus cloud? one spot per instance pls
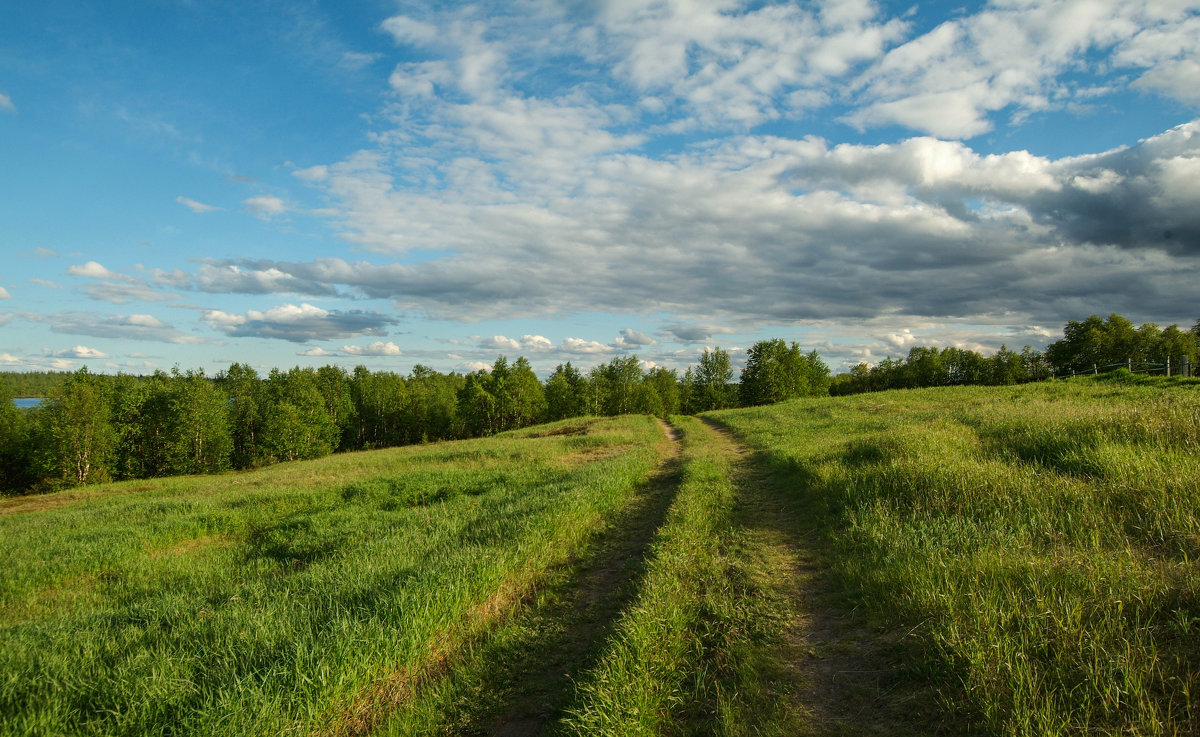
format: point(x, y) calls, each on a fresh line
point(223, 277)
point(136, 326)
point(630, 338)
point(298, 323)
point(79, 351)
point(696, 333)
point(6, 104)
point(265, 207)
point(96, 270)
point(763, 230)
point(315, 352)
point(378, 348)
point(953, 79)
point(194, 206)
point(4, 293)
point(111, 286)
point(313, 173)
point(536, 343)
point(583, 347)
point(499, 343)
point(528, 199)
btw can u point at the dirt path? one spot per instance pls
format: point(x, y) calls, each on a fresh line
point(538, 684)
point(843, 677)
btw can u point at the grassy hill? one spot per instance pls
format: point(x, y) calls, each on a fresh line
point(975, 560)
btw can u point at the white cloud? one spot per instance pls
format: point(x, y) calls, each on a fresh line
point(79, 351)
point(6, 104)
point(46, 283)
point(138, 326)
point(354, 60)
point(378, 348)
point(630, 338)
point(536, 343)
point(315, 352)
point(96, 270)
point(4, 293)
point(298, 323)
point(952, 79)
point(265, 206)
point(583, 347)
point(1178, 78)
point(194, 206)
point(117, 288)
point(696, 333)
point(313, 173)
point(224, 277)
point(499, 343)
point(477, 366)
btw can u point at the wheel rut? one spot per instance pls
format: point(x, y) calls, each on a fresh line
point(839, 675)
point(537, 685)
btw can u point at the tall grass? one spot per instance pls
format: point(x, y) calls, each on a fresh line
point(684, 657)
point(1040, 542)
point(310, 597)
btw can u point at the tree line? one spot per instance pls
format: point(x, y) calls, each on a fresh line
point(94, 427)
point(33, 383)
point(1094, 344)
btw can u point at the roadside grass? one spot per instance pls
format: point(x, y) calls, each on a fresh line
point(311, 597)
point(688, 654)
point(1037, 544)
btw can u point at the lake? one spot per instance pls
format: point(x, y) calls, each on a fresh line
point(28, 402)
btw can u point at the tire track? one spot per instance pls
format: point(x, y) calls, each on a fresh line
point(840, 676)
point(539, 683)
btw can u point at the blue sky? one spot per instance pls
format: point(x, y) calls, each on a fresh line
point(393, 183)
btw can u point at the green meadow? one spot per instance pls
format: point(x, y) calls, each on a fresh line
point(973, 560)
point(1034, 547)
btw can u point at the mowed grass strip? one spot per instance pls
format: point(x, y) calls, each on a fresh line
point(307, 597)
point(688, 654)
point(1037, 544)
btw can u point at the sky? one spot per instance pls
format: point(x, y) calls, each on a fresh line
point(192, 184)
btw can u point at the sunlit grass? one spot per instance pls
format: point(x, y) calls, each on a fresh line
point(685, 656)
point(1040, 542)
point(302, 597)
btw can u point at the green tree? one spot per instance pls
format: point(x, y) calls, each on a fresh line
point(776, 371)
point(618, 381)
point(430, 412)
point(523, 399)
point(76, 440)
point(1005, 367)
point(663, 385)
point(334, 385)
point(687, 392)
point(244, 392)
point(379, 404)
point(296, 424)
point(14, 444)
point(476, 406)
point(198, 435)
point(565, 393)
point(711, 389)
point(1034, 364)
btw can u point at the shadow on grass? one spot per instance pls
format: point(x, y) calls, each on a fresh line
point(523, 678)
point(849, 673)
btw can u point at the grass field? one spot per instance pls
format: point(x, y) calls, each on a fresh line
point(309, 597)
point(1017, 561)
point(1037, 545)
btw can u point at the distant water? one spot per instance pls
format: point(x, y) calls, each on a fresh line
point(28, 402)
